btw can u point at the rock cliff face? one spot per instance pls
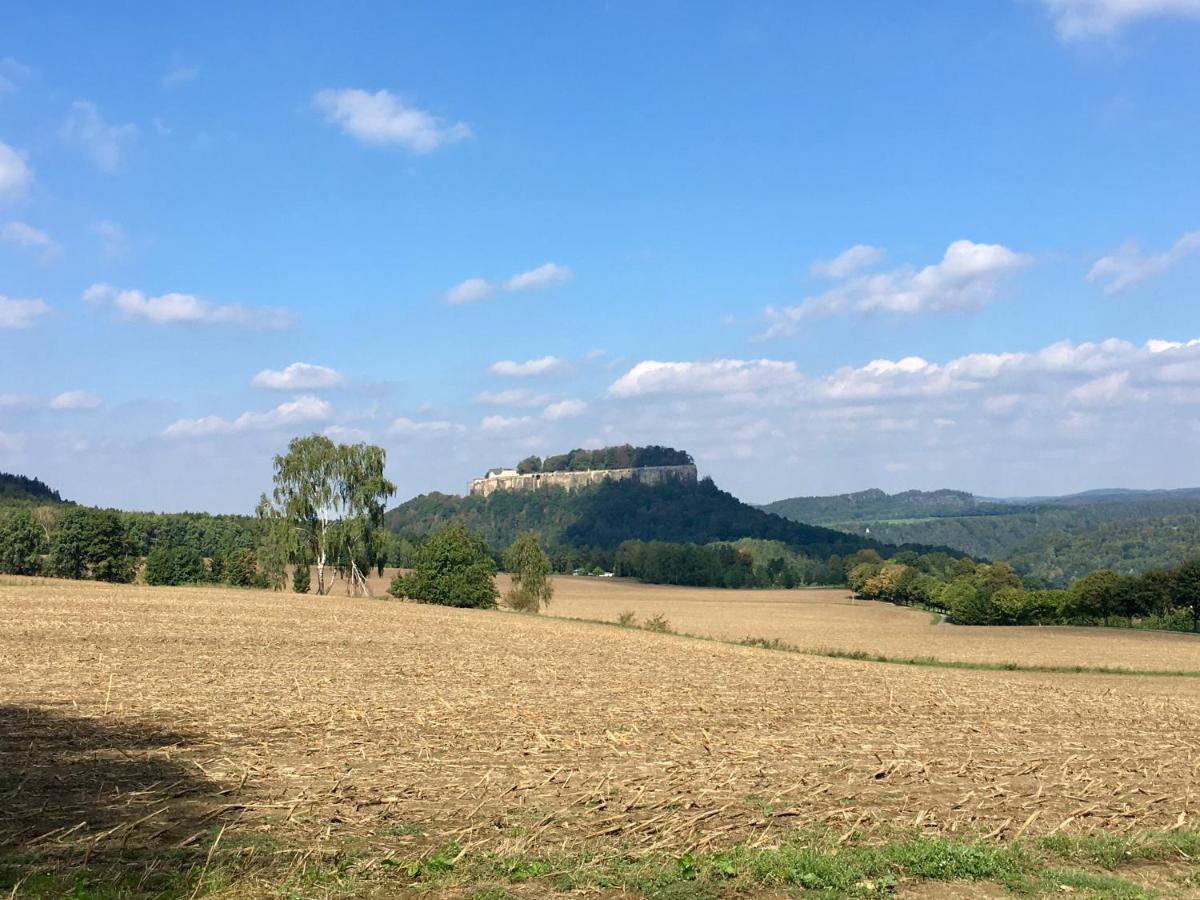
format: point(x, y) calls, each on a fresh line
point(482, 487)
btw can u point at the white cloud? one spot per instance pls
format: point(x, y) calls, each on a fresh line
point(564, 409)
point(544, 275)
point(103, 142)
point(187, 309)
point(1084, 19)
point(19, 234)
point(855, 259)
point(298, 411)
point(15, 175)
point(1090, 372)
point(20, 313)
point(513, 397)
point(405, 425)
point(299, 377)
point(472, 290)
point(76, 400)
point(547, 365)
point(1102, 391)
point(503, 423)
point(1128, 266)
point(12, 442)
point(967, 276)
point(721, 376)
point(384, 118)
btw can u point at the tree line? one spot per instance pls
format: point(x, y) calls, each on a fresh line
point(625, 456)
point(993, 594)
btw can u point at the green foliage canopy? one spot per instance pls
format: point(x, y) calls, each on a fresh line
point(452, 568)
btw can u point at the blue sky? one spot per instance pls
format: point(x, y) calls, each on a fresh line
point(823, 247)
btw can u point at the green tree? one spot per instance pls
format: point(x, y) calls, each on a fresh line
point(1187, 590)
point(332, 498)
point(1097, 595)
point(452, 568)
point(22, 542)
point(530, 570)
point(301, 579)
point(529, 465)
point(239, 568)
point(92, 543)
point(174, 565)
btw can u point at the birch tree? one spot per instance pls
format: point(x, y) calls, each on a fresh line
point(330, 498)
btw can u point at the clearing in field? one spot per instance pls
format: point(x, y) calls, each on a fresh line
point(173, 742)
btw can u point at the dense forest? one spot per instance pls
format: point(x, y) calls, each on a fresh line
point(1049, 541)
point(624, 456)
point(20, 489)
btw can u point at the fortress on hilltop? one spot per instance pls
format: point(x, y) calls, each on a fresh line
point(581, 468)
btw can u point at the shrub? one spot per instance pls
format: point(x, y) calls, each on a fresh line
point(21, 543)
point(174, 565)
point(628, 619)
point(301, 579)
point(530, 568)
point(658, 624)
point(452, 568)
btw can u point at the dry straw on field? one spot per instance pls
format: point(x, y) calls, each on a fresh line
point(313, 721)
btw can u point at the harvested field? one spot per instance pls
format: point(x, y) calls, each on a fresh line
point(135, 717)
point(829, 618)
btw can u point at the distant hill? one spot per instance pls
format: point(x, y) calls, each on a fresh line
point(873, 504)
point(1049, 539)
point(605, 515)
point(19, 488)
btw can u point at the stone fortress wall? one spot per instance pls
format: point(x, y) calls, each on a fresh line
point(508, 480)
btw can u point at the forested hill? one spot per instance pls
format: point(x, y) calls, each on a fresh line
point(1048, 539)
point(607, 514)
point(19, 488)
point(874, 505)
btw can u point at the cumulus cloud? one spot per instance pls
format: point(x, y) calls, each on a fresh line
point(15, 175)
point(564, 409)
point(546, 365)
point(720, 376)
point(384, 118)
point(968, 276)
point(1085, 19)
point(299, 377)
point(103, 142)
point(76, 400)
point(846, 263)
point(187, 309)
point(298, 411)
point(544, 275)
point(1085, 373)
point(496, 424)
point(474, 290)
point(427, 427)
point(20, 313)
point(26, 237)
point(1128, 266)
